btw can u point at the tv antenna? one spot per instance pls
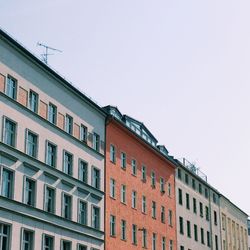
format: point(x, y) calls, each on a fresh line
point(46, 54)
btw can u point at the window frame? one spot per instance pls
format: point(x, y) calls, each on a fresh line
point(46, 186)
point(2, 169)
point(47, 155)
point(36, 144)
point(79, 212)
point(15, 88)
point(63, 205)
point(32, 92)
point(5, 118)
point(34, 195)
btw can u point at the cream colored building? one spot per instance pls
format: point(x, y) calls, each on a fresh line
point(234, 234)
point(51, 158)
point(197, 210)
point(248, 225)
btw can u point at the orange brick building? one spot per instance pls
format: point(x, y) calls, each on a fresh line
point(140, 187)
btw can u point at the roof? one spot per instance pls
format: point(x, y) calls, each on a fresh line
point(45, 67)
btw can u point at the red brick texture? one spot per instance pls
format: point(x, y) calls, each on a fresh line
point(76, 131)
point(43, 109)
point(23, 96)
point(60, 120)
point(2, 83)
point(125, 141)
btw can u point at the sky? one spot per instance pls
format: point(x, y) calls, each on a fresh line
point(181, 67)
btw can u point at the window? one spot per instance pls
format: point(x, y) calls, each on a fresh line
point(83, 171)
point(81, 247)
point(31, 144)
point(144, 204)
point(171, 245)
point(207, 213)
point(96, 217)
point(206, 192)
point(162, 185)
point(69, 124)
point(186, 179)
point(201, 209)
point(216, 242)
point(208, 239)
point(11, 87)
point(153, 179)
point(202, 236)
point(123, 160)
point(193, 184)
point(52, 113)
point(29, 192)
point(48, 242)
point(83, 133)
point(187, 201)
point(134, 167)
point(96, 142)
point(112, 153)
point(163, 243)
point(112, 225)
point(33, 101)
point(5, 236)
point(67, 163)
point(123, 230)
point(195, 233)
point(194, 206)
point(188, 229)
point(27, 240)
point(179, 173)
point(170, 218)
point(200, 188)
point(51, 154)
point(65, 245)
point(67, 205)
point(96, 178)
point(214, 198)
point(181, 225)
point(123, 193)
point(112, 188)
point(215, 218)
point(49, 205)
point(153, 209)
point(169, 189)
point(163, 216)
point(7, 183)
point(154, 241)
point(144, 173)
point(182, 248)
point(180, 196)
point(144, 238)
point(83, 212)
point(134, 199)
point(134, 234)
point(9, 132)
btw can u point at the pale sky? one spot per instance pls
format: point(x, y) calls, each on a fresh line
point(181, 67)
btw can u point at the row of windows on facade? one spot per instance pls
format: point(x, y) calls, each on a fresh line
point(195, 232)
point(201, 207)
point(123, 158)
point(11, 91)
point(28, 240)
point(234, 231)
point(187, 179)
point(32, 142)
point(135, 229)
point(29, 198)
point(123, 195)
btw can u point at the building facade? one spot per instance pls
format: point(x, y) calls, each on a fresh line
point(51, 158)
point(234, 233)
point(197, 210)
point(140, 187)
point(248, 226)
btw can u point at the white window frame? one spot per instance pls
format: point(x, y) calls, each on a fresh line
point(112, 153)
point(80, 172)
point(45, 198)
point(47, 155)
point(15, 88)
point(63, 205)
point(33, 93)
point(2, 168)
point(50, 236)
point(51, 115)
point(79, 212)
point(112, 188)
point(4, 131)
point(32, 247)
point(71, 172)
point(134, 167)
point(123, 193)
point(27, 143)
point(34, 191)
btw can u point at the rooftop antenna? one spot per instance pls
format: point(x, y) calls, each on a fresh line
point(46, 54)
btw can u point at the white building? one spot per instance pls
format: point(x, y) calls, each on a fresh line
point(197, 210)
point(51, 158)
